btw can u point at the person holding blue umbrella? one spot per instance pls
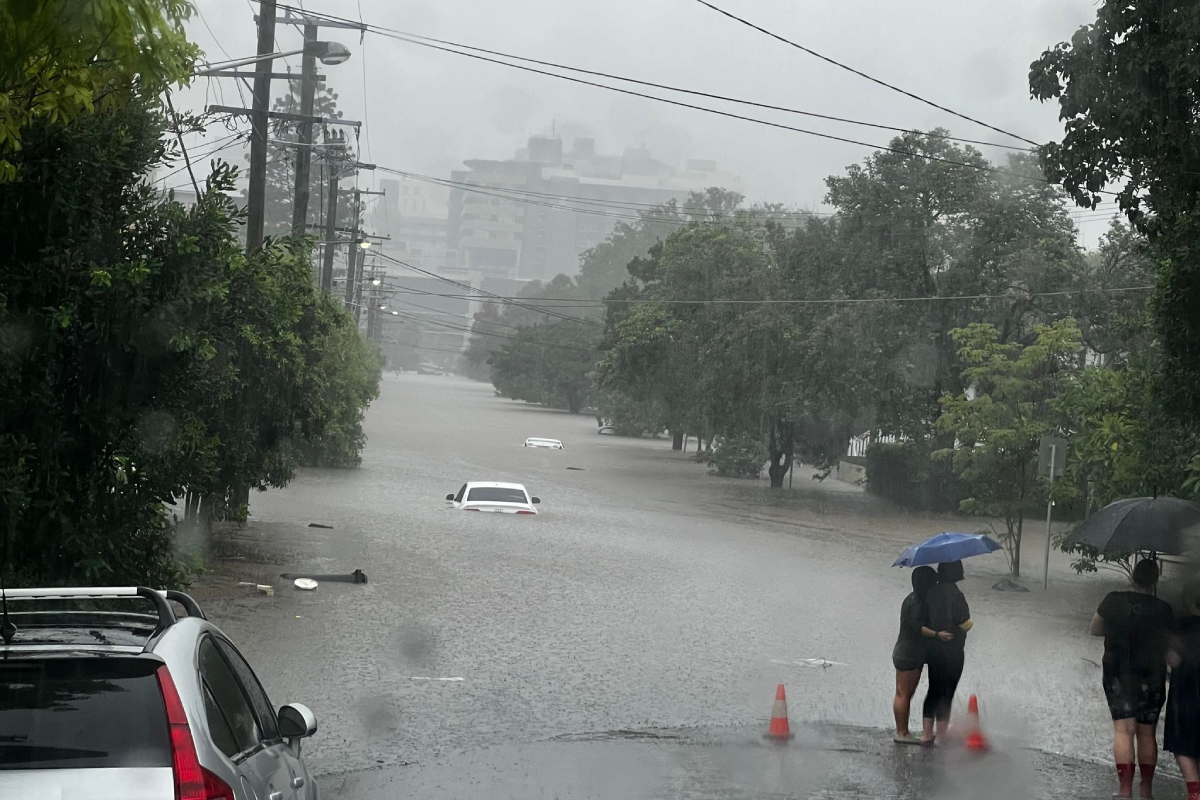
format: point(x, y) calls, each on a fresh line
point(948, 618)
point(949, 621)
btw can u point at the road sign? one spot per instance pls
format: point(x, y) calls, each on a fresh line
point(1052, 455)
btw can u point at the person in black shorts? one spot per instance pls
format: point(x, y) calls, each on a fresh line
point(908, 656)
point(1135, 626)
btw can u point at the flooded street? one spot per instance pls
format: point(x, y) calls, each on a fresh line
point(633, 630)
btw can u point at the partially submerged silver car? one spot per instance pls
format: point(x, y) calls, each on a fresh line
point(100, 704)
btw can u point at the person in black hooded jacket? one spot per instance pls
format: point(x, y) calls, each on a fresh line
point(946, 632)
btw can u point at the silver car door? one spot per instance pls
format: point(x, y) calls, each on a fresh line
point(236, 730)
point(290, 770)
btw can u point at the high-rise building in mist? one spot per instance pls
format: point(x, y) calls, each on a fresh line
point(533, 215)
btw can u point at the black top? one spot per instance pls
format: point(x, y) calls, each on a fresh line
point(1136, 626)
point(910, 645)
point(947, 610)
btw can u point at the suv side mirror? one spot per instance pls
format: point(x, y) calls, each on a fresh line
point(535, 500)
point(296, 722)
point(450, 497)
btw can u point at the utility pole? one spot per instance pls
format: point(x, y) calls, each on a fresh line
point(352, 253)
point(308, 87)
point(356, 260)
point(257, 194)
point(335, 172)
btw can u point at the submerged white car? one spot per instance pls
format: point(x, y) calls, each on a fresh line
point(553, 444)
point(503, 498)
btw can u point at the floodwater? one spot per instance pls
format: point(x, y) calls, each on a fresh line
point(627, 641)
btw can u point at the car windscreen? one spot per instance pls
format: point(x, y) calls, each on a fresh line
point(76, 713)
point(496, 494)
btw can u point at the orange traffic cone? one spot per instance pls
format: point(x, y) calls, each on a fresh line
point(975, 738)
point(778, 729)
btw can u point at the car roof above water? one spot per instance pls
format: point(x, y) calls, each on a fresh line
point(493, 485)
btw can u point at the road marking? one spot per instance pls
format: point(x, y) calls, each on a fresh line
point(437, 679)
point(809, 662)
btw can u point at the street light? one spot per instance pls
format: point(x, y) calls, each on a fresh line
point(376, 282)
point(364, 245)
point(328, 53)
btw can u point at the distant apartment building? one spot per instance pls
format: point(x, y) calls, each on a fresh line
point(531, 216)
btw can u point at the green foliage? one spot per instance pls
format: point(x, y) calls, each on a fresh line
point(998, 422)
point(144, 356)
point(65, 59)
point(631, 417)
point(907, 474)
point(1123, 444)
point(548, 363)
point(1128, 88)
point(739, 456)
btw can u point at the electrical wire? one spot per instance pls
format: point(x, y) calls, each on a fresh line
point(821, 301)
point(474, 332)
point(429, 44)
point(470, 288)
point(862, 74)
point(709, 95)
point(624, 205)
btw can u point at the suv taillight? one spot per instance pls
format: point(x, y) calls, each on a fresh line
point(192, 781)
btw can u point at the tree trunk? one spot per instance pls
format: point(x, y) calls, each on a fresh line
point(1016, 565)
point(676, 440)
point(778, 469)
point(780, 445)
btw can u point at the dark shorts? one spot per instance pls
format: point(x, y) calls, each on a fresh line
point(1138, 697)
point(904, 665)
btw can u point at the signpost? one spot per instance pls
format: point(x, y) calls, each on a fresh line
point(1052, 461)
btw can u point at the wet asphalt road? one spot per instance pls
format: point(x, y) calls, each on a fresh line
point(627, 641)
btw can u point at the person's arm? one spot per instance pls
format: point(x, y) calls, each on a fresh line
point(966, 626)
point(961, 611)
point(930, 633)
point(1096, 628)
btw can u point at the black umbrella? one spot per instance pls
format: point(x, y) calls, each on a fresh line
point(1141, 524)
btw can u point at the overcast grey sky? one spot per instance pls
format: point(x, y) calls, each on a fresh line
point(427, 111)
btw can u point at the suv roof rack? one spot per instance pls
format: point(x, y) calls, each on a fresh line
point(158, 598)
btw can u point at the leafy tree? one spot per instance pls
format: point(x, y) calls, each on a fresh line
point(739, 456)
point(548, 363)
point(1123, 443)
point(144, 356)
point(65, 59)
point(1129, 93)
point(495, 320)
point(998, 422)
point(605, 266)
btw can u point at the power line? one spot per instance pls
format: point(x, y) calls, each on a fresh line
point(624, 205)
point(828, 301)
point(406, 38)
point(458, 316)
point(698, 93)
point(470, 288)
point(494, 335)
point(862, 74)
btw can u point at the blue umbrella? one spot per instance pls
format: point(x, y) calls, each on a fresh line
point(946, 547)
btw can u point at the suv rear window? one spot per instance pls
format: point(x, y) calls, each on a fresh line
point(74, 713)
